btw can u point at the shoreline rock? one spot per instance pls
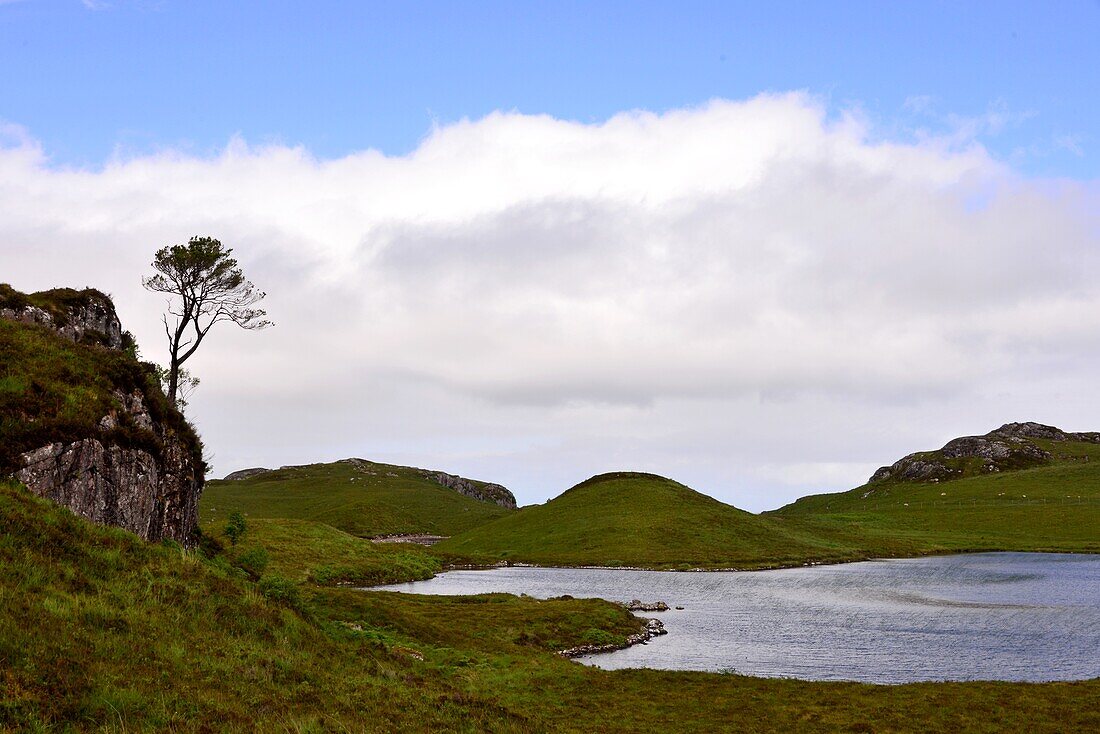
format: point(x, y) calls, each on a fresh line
point(417, 538)
point(653, 628)
point(637, 605)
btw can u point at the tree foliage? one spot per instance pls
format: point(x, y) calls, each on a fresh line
point(205, 286)
point(235, 528)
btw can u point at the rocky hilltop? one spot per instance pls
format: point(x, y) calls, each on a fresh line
point(85, 424)
point(83, 317)
point(482, 491)
point(1011, 447)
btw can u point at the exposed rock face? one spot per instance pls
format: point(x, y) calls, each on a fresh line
point(1038, 430)
point(153, 496)
point(1006, 448)
point(138, 468)
point(86, 317)
point(484, 491)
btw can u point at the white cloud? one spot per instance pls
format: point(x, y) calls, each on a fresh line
point(745, 295)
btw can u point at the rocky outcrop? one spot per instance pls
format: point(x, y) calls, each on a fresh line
point(639, 606)
point(139, 465)
point(84, 317)
point(653, 628)
point(1010, 447)
point(152, 491)
point(1038, 430)
point(245, 474)
point(484, 491)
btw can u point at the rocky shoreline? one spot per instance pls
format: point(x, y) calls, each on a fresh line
point(653, 628)
point(417, 538)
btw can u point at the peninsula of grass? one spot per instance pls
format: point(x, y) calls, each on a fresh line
point(303, 550)
point(361, 498)
point(100, 631)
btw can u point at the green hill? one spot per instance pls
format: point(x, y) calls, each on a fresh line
point(633, 519)
point(941, 500)
point(359, 497)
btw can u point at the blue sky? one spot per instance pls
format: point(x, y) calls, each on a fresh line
point(90, 80)
point(762, 249)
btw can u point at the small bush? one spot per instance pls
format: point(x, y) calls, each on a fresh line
point(235, 528)
point(253, 562)
point(281, 590)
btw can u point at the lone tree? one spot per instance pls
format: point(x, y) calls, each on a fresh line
point(205, 285)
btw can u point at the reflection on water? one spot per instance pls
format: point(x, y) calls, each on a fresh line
point(990, 616)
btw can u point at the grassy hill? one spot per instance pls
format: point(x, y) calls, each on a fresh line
point(361, 498)
point(637, 519)
point(1024, 487)
point(100, 631)
point(1054, 506)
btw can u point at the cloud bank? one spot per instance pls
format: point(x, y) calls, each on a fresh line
point(759, 298)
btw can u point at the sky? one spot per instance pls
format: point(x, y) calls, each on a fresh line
point(760, 248)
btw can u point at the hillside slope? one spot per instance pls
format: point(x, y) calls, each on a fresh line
point(100, 631)
point(638, 519)
point(359, 497)
point(1051, 504)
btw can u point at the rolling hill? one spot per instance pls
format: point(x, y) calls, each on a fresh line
point(1023, 487)
point(359, 497)
point(634, 519)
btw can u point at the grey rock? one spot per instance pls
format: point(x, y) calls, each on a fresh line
point(153, 496)
point(637, 605)
point(93, 320)
point(483, 491)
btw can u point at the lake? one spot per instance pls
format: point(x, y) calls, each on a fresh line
point(988, 616)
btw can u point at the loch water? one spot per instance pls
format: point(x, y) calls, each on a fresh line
point(988, 616)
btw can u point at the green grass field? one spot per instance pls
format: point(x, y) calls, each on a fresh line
point(100, 631)
point(360, 498)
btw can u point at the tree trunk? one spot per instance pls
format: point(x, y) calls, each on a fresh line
point(173, 379)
